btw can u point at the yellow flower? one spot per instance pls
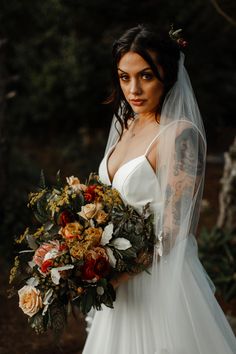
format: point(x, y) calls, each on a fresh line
point(112, 197)
point(39, 232)
point(23, 236)
point(93, 235)
point(58, 199)
point(14, 269)
point(79, 251)
point(34, 197)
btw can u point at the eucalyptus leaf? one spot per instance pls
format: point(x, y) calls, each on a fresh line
point(58, 179)
point(48, 226)
point(31, 242)
point(58, 317)
point(129, 253)
point(38, 322)
point(87, 302)
point(42, 182)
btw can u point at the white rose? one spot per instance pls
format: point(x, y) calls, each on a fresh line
point(30, 300)
point(88, 211)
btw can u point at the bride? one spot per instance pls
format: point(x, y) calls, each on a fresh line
point(156, 153)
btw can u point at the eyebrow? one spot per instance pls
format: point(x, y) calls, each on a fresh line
point(148, 68)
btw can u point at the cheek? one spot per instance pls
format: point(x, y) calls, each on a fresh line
point(155, 92)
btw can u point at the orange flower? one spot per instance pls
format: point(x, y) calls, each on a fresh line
point(72, 230)
point(93, 236)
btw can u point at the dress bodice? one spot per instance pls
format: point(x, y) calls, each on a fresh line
point(135, 180)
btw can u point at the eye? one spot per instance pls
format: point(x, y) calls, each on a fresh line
point(124, 77)
point(147, 76)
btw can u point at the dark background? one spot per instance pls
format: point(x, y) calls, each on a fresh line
point(55, 61)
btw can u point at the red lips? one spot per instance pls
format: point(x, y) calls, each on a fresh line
point(137, 102)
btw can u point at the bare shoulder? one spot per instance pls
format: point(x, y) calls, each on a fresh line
point(181, 125)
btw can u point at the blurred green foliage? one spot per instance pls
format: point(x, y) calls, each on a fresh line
point(58, 58)
point(217, 253)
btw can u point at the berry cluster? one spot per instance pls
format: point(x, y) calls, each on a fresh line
point(175, 35)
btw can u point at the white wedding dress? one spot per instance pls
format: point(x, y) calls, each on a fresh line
point(129, 328)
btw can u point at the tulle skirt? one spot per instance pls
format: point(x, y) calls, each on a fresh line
point(143, 322)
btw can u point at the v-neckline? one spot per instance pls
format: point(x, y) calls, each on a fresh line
point(135, 158)
point(124, 164)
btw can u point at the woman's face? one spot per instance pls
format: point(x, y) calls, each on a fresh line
point(140, 86)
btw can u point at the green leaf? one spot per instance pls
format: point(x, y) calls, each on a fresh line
point(42, 182)
point(129, 253)
point(58, 179)
point(38, 322)
point(58, 318)
point(87, 301)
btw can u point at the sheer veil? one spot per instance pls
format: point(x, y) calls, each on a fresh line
point(181, 292)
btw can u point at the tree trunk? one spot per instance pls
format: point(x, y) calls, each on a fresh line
point(227, 198)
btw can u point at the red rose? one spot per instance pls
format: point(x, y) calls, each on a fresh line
point(90, 194)
point(182, 42)
point(96, 264)
point(45, 265)
point(63, 247)
point(65, 218)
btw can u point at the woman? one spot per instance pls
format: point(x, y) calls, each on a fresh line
point(156, 153)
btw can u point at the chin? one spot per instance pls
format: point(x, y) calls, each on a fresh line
point(139, 110)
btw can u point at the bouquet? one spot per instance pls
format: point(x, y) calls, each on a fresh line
point(87, 236)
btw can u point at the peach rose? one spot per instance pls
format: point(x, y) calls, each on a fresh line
point(101, 217)
point(89, 211)
point(71, 230)
point(75, 184)
point(30, 300)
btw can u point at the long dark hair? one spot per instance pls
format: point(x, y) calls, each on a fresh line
point(141, 40)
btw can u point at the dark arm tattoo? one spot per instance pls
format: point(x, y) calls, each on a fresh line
point(187, 158)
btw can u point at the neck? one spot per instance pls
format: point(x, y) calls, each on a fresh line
point(145, 118)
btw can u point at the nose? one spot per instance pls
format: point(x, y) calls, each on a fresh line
point(135, 87)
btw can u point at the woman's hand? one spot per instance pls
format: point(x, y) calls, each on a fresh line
point(115, 282)
point(144, 259)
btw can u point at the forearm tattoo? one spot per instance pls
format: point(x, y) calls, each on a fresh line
point(188, 167)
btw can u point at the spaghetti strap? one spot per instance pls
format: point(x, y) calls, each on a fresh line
point(155, 138)
point(151, 143)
